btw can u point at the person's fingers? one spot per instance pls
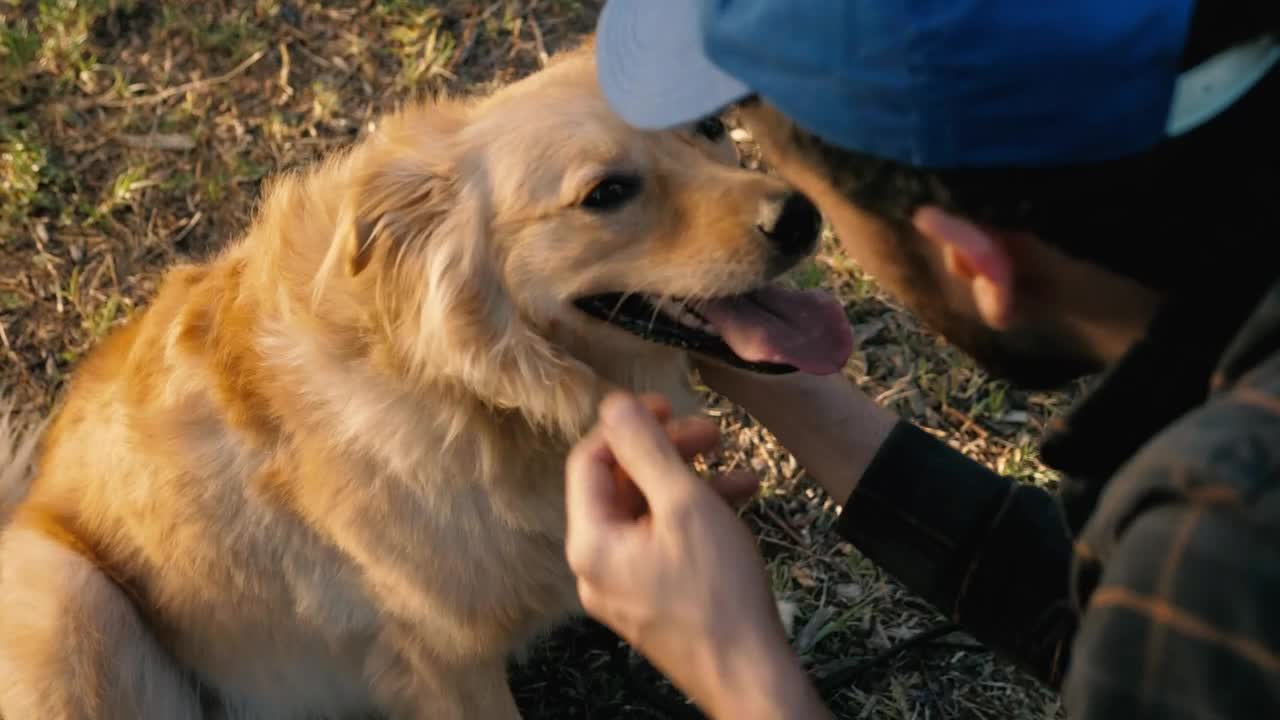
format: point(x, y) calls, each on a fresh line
point(737, 487)
point(629, 501)
point(659, 405)
point(693, 436)
point(592, 501)
point(643, 449)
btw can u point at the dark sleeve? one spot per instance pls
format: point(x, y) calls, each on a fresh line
point(993, 554)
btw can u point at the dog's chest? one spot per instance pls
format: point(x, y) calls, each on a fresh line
point(461, 559)
point(447, 561)
point(281, 633)
point(466, 532)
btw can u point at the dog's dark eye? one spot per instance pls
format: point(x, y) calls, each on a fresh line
point(612, 193)
point(711, 128)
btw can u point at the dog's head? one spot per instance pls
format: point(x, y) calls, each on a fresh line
point(531, 244)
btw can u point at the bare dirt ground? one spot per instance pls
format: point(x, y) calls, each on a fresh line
point(136, 133)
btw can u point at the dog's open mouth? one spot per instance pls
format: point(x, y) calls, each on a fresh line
point(769, 330)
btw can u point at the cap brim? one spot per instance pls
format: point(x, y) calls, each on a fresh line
point(652, 67)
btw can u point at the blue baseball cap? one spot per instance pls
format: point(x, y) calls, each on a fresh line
point(961, 83)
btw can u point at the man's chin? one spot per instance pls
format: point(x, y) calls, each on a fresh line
point(1041, 373)
point(1028, 361)
point(1029, 358)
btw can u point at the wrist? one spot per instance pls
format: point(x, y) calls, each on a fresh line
point(762, 678)
point(750, 390)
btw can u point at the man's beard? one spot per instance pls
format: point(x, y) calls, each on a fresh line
point(1041, 358)
point(1028, 359)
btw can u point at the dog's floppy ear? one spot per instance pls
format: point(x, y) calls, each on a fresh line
point(402, 186)
point(359, 245)
point(390, 205)
point(391, 208)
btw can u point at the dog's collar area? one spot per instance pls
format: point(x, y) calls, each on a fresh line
point(642, 318)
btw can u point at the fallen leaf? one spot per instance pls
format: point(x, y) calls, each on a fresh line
point(787, 613)
point(849, 591)
point(863, 332)
point(809, 633)
point(803, 575)
point(157, 141)
point(1018, 417)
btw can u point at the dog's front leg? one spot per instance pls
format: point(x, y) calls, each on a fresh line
point(72, 646)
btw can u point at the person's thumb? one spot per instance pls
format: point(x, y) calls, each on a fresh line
point(642, 447)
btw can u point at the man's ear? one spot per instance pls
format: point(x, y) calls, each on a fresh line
point(975, 255)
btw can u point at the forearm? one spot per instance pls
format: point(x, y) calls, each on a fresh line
point(988, 551)
point(831, 428)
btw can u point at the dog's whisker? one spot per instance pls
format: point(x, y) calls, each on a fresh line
point(618, 306)
point(694, 304)
point(657, 308)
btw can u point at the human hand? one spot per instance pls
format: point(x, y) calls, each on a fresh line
point(662, 559)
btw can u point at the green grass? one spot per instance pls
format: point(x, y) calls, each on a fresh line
point(23, 162)
point(808, 276)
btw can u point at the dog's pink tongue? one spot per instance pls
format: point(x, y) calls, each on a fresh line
point(806, 329)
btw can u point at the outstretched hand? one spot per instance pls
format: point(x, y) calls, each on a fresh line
point(663, 559)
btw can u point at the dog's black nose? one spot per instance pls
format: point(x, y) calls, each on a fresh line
point(792, 223)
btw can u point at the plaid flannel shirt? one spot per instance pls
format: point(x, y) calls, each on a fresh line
point(1149, 586)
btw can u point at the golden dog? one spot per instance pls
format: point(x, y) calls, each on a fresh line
point(321, 475)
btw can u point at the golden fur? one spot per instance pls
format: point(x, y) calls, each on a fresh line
point(321, 475)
